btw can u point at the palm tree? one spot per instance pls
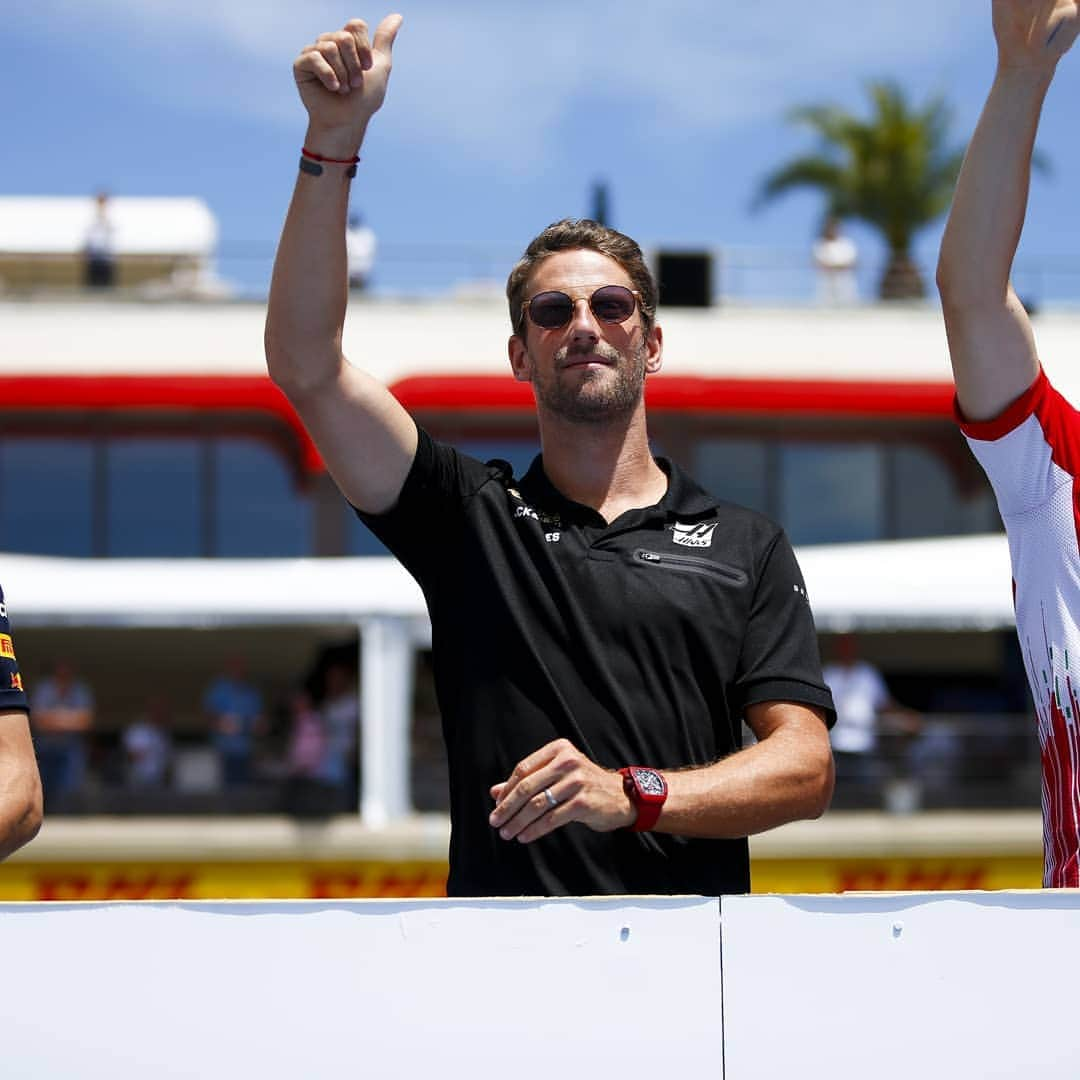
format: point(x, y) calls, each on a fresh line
point(893, 171)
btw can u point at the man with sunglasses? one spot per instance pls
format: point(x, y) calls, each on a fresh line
point(1024, 433)
point(601, 625)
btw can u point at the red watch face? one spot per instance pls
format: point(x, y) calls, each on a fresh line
point(649, 784)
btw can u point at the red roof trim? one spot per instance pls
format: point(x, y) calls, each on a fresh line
point(127, 393)
point(473, 393)
point(698, 394)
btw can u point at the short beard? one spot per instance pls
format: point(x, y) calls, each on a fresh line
point(615, 399)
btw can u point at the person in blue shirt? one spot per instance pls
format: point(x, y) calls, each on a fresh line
point(235, 708)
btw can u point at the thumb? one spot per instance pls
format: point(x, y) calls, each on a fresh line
point(385, 33)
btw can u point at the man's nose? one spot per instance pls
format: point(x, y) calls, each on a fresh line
point(583, 322)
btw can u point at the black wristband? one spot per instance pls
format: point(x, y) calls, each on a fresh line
point(313, 168)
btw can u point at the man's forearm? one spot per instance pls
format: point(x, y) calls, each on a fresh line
point(309, 287)
point(988, 209)
point(341, 79)
point(786, 777)
point(991, 343)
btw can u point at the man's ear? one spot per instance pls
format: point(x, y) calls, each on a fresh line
point(520, 364)
point(654, 350)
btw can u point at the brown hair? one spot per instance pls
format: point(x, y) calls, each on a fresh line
point(572, 234)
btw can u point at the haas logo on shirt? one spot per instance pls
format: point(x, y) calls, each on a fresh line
point(694, 536)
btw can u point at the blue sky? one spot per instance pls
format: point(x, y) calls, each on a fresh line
point(500, 115)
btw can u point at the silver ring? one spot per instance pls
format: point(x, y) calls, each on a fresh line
point(551, 800)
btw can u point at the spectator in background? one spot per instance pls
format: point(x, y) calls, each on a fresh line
point(341, 720)
point(20, 785)
point(865, 709)
point(234, 707)
point(321, 760)
point(148, 747)
point(99, 247)
point(63, 712)
point(360, 246)
point(835, 257)
point(306, 792)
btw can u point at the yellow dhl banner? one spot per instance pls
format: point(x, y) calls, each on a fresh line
point(910, 874)
point(360, 880)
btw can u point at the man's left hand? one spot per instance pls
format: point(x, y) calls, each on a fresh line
point(555, 785)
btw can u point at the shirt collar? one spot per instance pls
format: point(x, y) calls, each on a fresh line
point(684, 496)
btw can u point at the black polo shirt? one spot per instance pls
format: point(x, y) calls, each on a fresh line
point(641, 642)
point(12, 695)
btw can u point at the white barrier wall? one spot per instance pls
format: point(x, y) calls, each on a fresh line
point(977, 985)
point(829, 987)
point(374, 989)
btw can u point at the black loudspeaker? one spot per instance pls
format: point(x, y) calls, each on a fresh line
point(685, 278)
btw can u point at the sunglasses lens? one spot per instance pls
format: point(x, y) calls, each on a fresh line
point(550, 310)
point(613, 303)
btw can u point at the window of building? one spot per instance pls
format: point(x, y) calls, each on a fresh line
point(153, 497)
point(47, 496)
point(736, 470)
point(257, 509)
point(929, 501)
point(830, 493)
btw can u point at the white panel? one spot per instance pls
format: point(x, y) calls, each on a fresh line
point(901, 986)
point(386, 688)
point(530, 989)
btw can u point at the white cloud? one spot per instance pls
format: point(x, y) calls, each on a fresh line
point(495, 78)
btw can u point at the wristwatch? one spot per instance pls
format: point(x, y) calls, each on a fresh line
point(648, 791)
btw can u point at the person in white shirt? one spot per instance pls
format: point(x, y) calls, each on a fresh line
point(865, 709)
point(360, 247)
point(99, 246)
point(835, 257)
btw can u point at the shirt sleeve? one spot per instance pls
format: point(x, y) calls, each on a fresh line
point(420, 525)
point(12, 694)
point(1029, 450)
point(780, 660)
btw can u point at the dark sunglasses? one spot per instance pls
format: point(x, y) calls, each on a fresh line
point(610, 304)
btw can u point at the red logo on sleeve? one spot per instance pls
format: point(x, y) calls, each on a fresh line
point(16, 681)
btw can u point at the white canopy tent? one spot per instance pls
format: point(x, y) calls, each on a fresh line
point(955, 583)
point(947, 584)
point(151, 225)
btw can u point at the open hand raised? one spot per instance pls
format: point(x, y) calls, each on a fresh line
point(342, 77)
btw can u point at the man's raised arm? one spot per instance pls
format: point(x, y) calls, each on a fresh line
point(366, 438)
point(990, 339)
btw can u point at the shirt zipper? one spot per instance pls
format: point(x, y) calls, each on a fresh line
point(693, 564)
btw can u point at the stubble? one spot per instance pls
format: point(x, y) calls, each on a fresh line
point(593, 395)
